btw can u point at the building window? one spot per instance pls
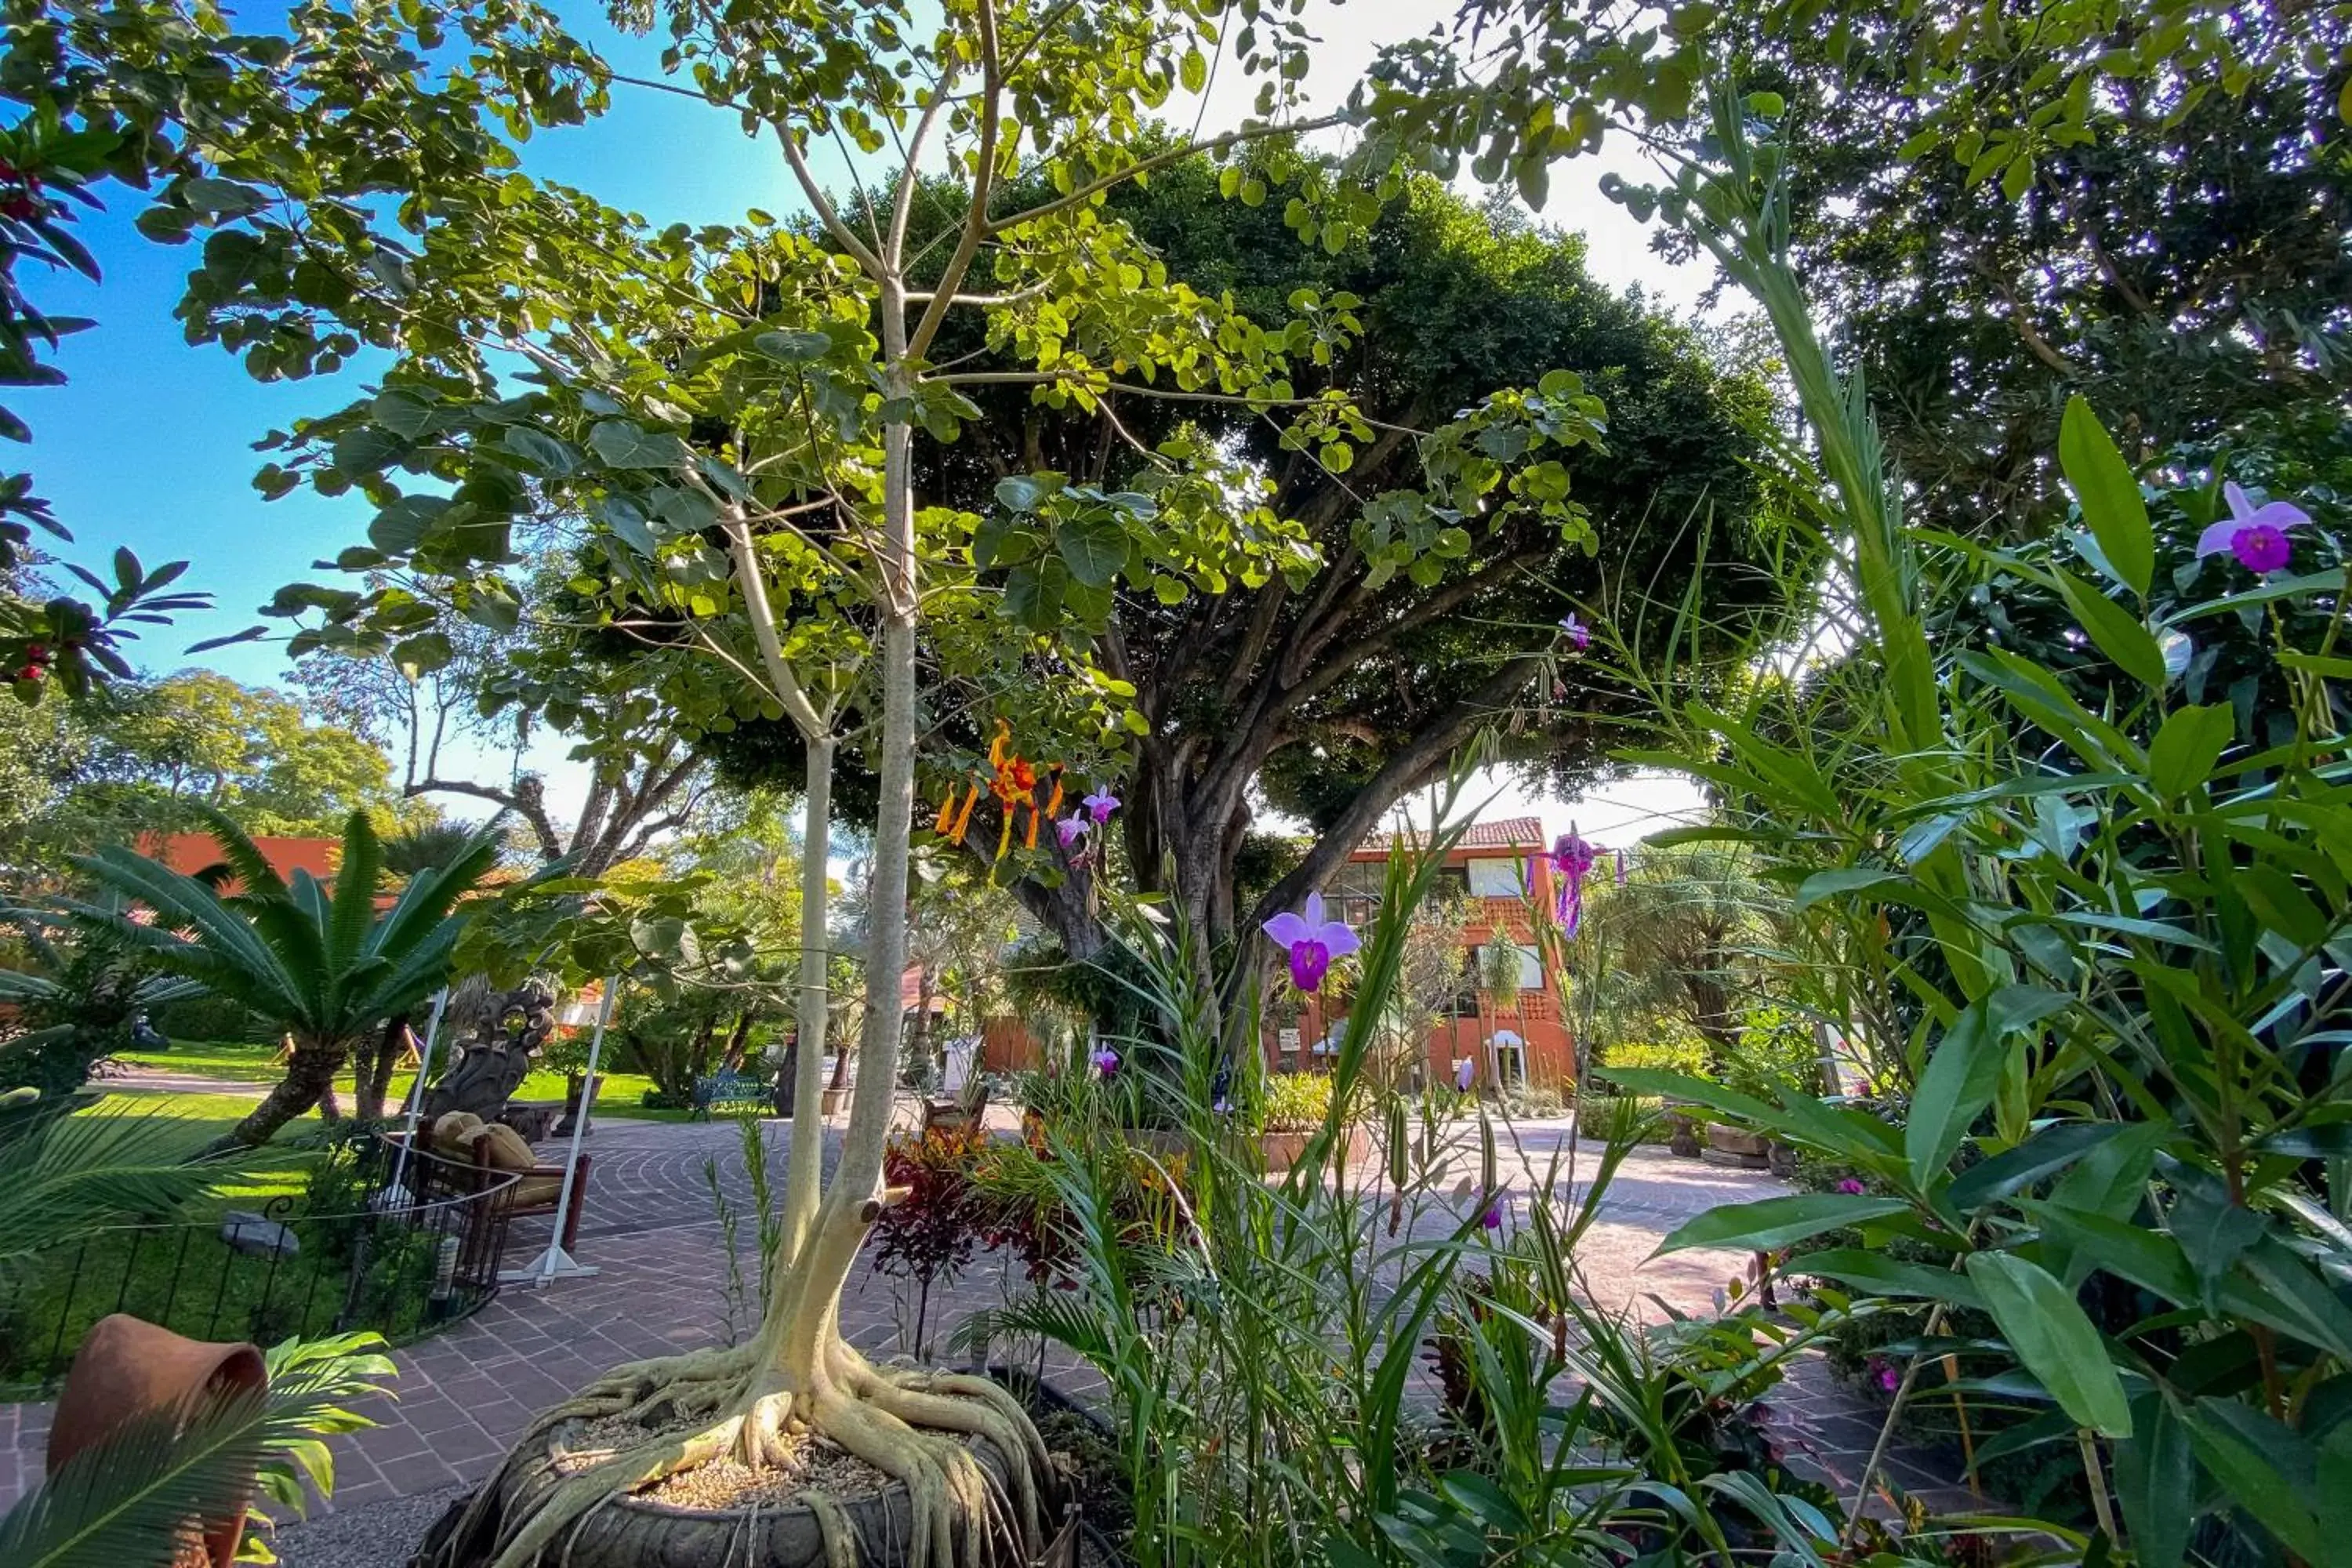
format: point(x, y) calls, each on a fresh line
point(1497, 878)
point(1531, 975)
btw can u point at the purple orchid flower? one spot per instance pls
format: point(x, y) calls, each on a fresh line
point(1490, 1213)
point(1105, 1061)
point(1850, 1188)
point(1312, 941)
point(1100, 805)
point(1576, 631)
point(1572, 857)
point(1223, 1107)
point(1070, 830)
point(2255, 535)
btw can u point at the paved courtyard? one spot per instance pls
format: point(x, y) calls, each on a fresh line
point(651, 1230)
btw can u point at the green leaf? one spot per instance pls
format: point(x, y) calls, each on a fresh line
point(626, 522)
point(2045, 1153)
point(1020, 493)
point(2254, 1458)
point(1963, 1071)
point(541, 450)
point(2182, 755)
point(1095, 548)
point(402, 526)
point(422, 654)
point(222, 199)
point(2109, 494)
point(626, 445)
point(1776, 1222)
point(1840, 880)
point(794, 348)
point(1193, 70)
point(2156, 1481)
point(2055, 1339)
point(1876, 1274)
point(2117, 631)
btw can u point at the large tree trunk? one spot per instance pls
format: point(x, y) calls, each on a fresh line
point(309, 1080)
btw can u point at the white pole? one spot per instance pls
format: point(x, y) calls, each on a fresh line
point(555, 1262)
point(416, 1090)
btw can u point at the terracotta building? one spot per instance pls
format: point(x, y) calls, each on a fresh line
point(1495, 865)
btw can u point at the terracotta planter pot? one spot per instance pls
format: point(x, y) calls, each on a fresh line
point(1282, 1149)
point(127, 1366)
point(834, 1099)
point(1732, 1146)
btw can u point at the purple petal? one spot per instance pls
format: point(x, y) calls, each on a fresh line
point(1309, 960)
point(1289, 929)
point(2282, 515)
point(2241, 509)
point(1338, 938)
point(2216, 539)
point(1314, 909)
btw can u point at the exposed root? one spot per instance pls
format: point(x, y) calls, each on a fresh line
point(924, 1399)
point(897, 1419)
point(575, 1495)
point(840, 1536)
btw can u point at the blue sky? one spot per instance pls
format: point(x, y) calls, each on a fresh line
point(150, 442)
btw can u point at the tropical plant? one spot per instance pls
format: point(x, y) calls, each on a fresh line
point(324, 966)
point(133, 1498)
point(75, 1003)
point(2117, 936)
point(432, 846)
point(129, 1499)
point(1259, 1336)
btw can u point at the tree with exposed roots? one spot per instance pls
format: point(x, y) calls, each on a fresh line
point(714, 427)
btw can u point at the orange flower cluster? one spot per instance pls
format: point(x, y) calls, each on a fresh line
point(1012, 780)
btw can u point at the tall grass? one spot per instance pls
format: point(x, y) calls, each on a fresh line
point(1265, 1340)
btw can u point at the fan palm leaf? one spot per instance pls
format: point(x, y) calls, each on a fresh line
point(133, 1500)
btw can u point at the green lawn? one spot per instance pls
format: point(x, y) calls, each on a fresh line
point(234, 1063)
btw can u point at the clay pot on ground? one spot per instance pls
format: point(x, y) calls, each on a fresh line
point(834, 1101)
point(1734, 1146)
point(127, 1366)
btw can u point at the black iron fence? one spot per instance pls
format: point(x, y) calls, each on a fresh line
point(358, 1249)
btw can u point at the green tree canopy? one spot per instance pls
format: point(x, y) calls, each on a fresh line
point(140, 755)
point(1332, 697)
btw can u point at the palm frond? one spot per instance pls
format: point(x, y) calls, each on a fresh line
point(66, 1173)
point(183, 902)
point(244, 858)
point(132, 1500)
point(355, 886)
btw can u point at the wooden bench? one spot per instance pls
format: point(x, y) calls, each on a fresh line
point(731, 1091)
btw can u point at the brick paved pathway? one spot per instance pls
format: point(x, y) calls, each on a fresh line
point(651, 1230)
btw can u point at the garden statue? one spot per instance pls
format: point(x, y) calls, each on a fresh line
point(488, 1068)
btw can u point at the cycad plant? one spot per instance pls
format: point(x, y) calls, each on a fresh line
point(325, 965)
point(73, 1004)
point(133, 1500)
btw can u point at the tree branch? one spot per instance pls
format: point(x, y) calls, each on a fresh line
point(983, 183)
point(1159, 160)
point(1405, 768)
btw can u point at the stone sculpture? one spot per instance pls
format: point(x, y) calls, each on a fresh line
point(490, 1065)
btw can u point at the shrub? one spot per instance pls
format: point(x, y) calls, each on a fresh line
point(1296, 1102)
